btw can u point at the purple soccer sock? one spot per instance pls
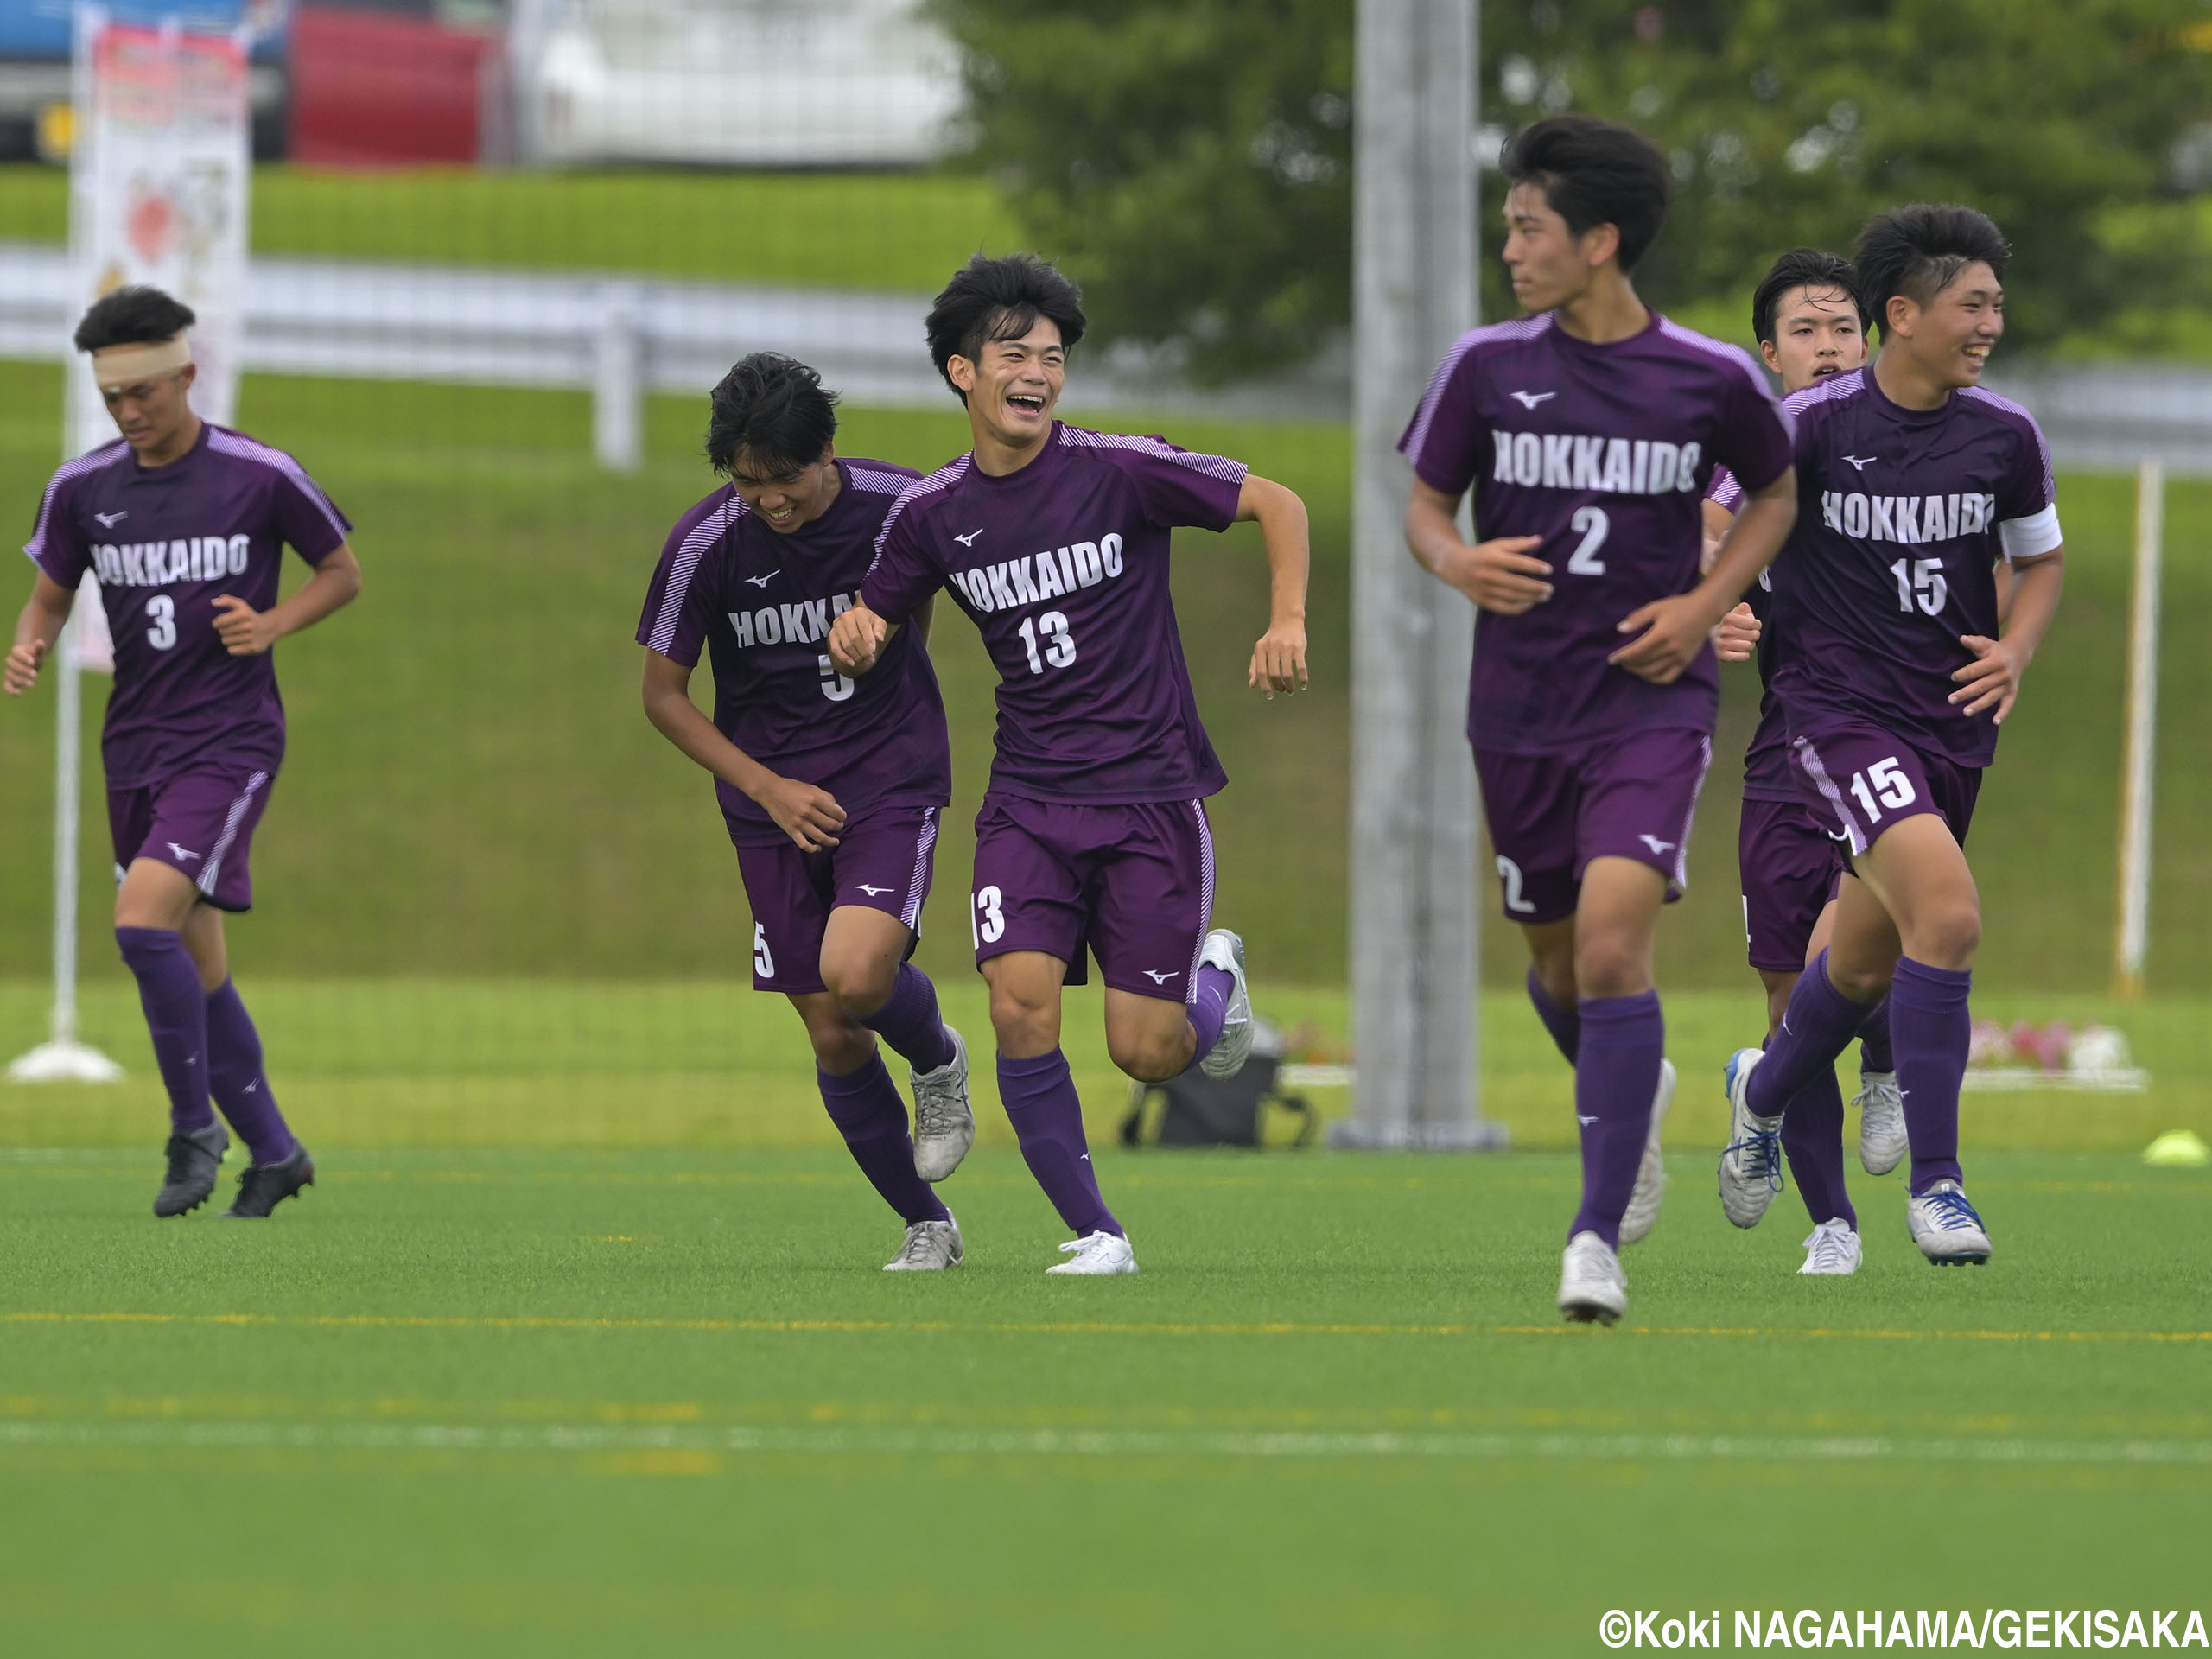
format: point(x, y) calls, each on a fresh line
point(1812, 1138)
point(1932, 1030)
point(866, 1107)
point(1047, 1117)
point(1210, 1008)
point(1817, 1026)
point(1874, 1053)
point(1623, 1039)
point(910, 1022)
point(236, 1079)
point(177, 1015)
point(1564, 1024)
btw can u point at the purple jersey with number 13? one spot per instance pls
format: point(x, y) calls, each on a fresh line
point(1063, 566)
point(1604, 451)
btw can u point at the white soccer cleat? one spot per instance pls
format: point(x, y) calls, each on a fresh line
point(1651, 1174)
point(1592, 1286)
point(1946, 1227)
point(1883, 1142)
point(1098, 1253)
point(931, 1247)
point(1750, 1169)
point(944, 1123)
point(1832, 1248)
point(1225, 950)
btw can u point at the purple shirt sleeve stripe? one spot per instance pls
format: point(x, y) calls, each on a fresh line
point(879, 483)
point(239, 447)
point(709, 530)
point(1416, 439)
point(943, 479)
point(1736, 357)
point(106, 455)
point(1724, 491)
point(1219, 467)
point(2043, 448)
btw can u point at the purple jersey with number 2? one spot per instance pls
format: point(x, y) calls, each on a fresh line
point(761, 603)
point(166, 543)
point(1604, 451)
point(1901, 516)
point(1063, 565)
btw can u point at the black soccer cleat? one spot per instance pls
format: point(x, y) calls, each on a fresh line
point(263, 1186)
point(194, 1161)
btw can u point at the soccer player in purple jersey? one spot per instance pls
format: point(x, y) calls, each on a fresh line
point(1093, 836)
point(184, 524)
point(1588, 431)
point(1807, 318)
point(830, 786)
point(1895, 673)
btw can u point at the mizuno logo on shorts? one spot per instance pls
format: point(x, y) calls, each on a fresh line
point(1659, 847)
point(182, 852)
point(1159, 978)
point(871, 892)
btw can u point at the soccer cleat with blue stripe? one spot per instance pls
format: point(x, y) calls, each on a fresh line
point(1750, 1169)
point(1946, 1227)
point(1225, 950)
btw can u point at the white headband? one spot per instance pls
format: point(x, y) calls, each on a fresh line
point(116, 366)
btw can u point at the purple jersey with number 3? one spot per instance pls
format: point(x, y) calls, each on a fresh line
point(166, 543)
point(1063, 566)
point(1901, 516)
point(761, 602)
point(1604, 452)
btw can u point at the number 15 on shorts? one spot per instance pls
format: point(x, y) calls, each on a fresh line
point(1883, 784)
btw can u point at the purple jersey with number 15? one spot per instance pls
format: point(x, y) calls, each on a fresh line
point(1604, 451)
point(166, 543)
point(1063, 566)
point(1901, 516)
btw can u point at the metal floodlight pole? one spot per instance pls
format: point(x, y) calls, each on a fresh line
point(1412, 816)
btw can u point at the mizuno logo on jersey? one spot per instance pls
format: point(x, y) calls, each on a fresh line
point(1010, 582)
point(1568, 461)
point(1530, 399)
point(760, 581)
point(1862, 462)
point(968, 540)
point(1910, 520)
point(109, 520)
point(151, 564)
point(799, 623)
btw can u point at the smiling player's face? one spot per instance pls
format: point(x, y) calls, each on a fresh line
point(1951, 337)
point(1816, 334)
point(1014, 386)
point(784, 499)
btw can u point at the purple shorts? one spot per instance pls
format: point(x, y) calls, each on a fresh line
point(1857, 780)
point(881, 861)
point(1549, 815)
point(1790, 866)
point(200, 823)
point(1134, 884)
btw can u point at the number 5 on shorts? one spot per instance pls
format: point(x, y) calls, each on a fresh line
point(988, 920)
point(764, 960)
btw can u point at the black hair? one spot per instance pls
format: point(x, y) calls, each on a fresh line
point(1919, 250)
point(132, 316)
point(1593, 173)
point(773, 408)
point(1803, 267)
point(1001, 299)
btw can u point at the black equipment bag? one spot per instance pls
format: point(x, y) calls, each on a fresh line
point(1197, 1110)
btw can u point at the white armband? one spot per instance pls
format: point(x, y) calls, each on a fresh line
point(2025, 538)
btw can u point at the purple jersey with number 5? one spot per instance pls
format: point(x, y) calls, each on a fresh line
point(1604, 452)
point(166, 543)
point(1901, 516)
point(1063, 566)
point(761, 602)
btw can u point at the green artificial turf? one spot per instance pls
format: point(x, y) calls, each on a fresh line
point(547, 1402)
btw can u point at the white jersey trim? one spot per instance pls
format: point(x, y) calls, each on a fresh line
point(1205, 901)
point(880, 483)
point(1979, 395)
point(919, 888)
point(1416, 438)
point(2037, 533)
point(106, 455)
point(239, 447)
point(1216, 467)
point(704, 535)
point(1737, 359)
point(212, 871)
point(936, 484)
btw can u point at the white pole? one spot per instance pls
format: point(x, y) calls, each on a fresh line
point(2137, 787)
point(617, 382)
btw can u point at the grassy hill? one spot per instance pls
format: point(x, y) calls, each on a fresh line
point(472, 788)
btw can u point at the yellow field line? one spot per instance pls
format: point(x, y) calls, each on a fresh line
point(1068, 1327)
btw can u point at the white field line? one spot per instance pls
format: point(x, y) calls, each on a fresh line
point(1101, 1444)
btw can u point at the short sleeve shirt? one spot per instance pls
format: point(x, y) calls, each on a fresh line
point(759, 602)
point(1902, 517)
point(166, 543)
point(1064, 566)
point(1604, 451)
point(1766, 760)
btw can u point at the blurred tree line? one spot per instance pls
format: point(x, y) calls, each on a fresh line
point(1191, 160)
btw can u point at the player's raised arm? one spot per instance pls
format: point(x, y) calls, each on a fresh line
point(810, 815)
point(1502, 576)
point(1279, 660)
point(40, 624)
